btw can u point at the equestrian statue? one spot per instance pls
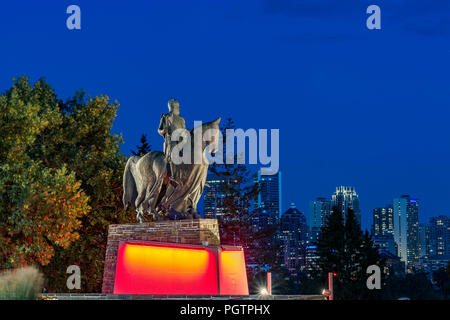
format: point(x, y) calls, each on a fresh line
point(168, 185)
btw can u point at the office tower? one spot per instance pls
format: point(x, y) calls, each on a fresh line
point(213, 197)
point(312, 257)
point(439, 236)
point(344, 198)
point(319, 210)
point(385, 242)
point(293, 237)
point(383, 221)
point(435, 263)
point(269, 198)
point(424, 235)
point(406, 230)
point(263, 220)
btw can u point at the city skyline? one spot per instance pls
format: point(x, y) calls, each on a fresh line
point(366, 213)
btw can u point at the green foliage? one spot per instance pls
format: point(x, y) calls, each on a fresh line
point(40, 206)
point(21, 284)
point(60, 181)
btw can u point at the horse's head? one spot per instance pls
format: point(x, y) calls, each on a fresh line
point(211, 135)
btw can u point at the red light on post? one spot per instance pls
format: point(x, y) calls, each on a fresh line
point(329, 292)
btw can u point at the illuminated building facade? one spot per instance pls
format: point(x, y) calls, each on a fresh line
point(319, 210)
point(344, 198)
point(293, 238)
point(439, 236)
point(406, 230)
point(213, 197)
point(383, 221)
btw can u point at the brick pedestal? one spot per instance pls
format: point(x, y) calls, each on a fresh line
point(195, 232)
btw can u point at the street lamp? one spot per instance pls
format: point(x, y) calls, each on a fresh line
point(327, 293)
point(267, 291)
point(264, 292)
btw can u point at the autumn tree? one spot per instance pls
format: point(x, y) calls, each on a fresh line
point(64, 149)
point(41, 207)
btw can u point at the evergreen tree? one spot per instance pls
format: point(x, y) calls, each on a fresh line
point(143, 148)
point(344, 250)
point(237, 223)
point(240, 191)
point(331, 244)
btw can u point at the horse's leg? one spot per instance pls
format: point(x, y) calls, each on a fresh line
point(141, 193)
point(153, 191)
point(147, 179)
point(155, 187)
point(139, 215)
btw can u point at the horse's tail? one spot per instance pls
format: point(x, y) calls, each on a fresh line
point(130, 192)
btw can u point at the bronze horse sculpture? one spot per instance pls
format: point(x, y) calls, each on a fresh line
point(148, 190)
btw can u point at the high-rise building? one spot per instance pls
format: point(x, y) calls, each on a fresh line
point(383, 221)
point(293, 239)
point(424, 243)
point(436, 262)
point(406, 230)
point(263, 220)
point(319, 210)
point(385, 242)
point(312, 257)
point(268, 202)
point(439, 236)
point(213, 197)
point(344, 198)
point(269, 198)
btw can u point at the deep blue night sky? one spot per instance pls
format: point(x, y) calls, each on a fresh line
point(354, 106)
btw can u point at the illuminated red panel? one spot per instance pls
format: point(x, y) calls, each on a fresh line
point(153, 269)
point(233, 276)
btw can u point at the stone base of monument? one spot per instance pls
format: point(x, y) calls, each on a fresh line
point(175, 257)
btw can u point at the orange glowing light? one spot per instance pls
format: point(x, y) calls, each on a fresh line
point(145, 269)
point(233, 276)
point(153, 268)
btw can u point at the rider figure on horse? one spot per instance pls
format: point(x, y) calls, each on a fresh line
point(170, 122)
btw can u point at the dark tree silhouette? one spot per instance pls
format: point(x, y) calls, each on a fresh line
point(344, 249)
point(143, 148)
